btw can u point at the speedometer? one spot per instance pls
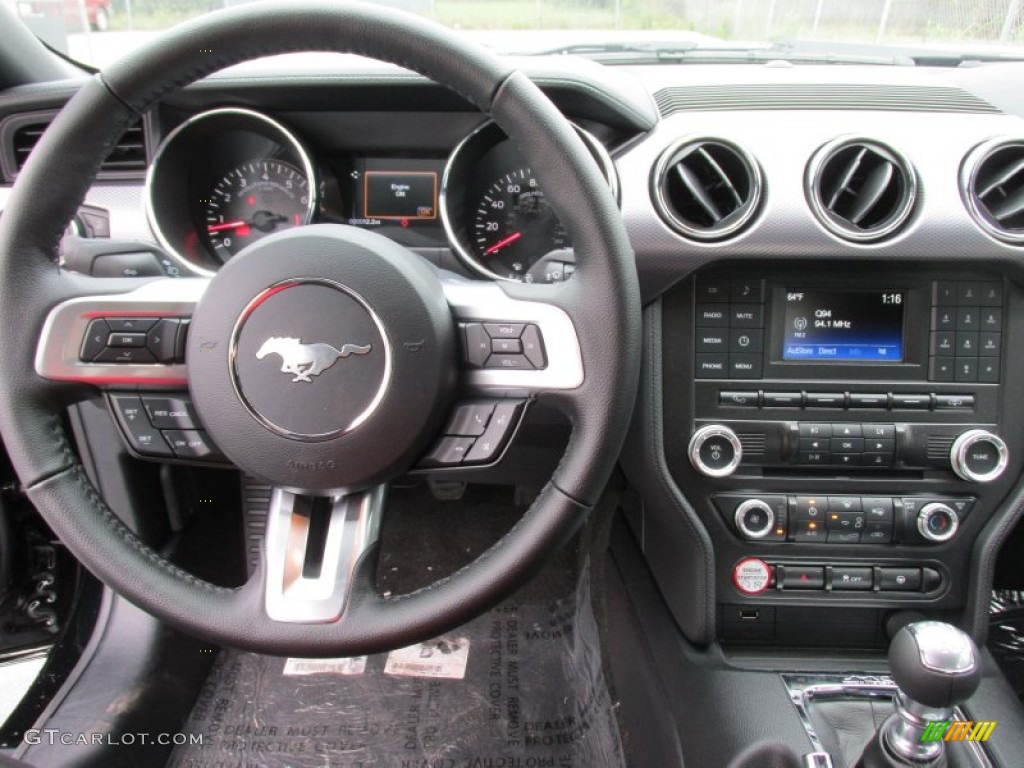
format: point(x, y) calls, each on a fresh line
point(514, 225)
point(252, 201)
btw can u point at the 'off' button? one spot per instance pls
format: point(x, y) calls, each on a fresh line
point(752, 576)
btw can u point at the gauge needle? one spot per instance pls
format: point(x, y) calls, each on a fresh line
point(503, 242)
point(228, 225)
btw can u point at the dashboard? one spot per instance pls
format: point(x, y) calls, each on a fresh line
point(829, 257)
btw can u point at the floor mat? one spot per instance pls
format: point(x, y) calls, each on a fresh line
point(520, 686)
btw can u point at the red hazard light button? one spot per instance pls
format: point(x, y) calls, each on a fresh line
point(751, 576)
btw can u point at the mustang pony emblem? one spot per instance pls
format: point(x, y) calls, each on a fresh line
point(305, 360)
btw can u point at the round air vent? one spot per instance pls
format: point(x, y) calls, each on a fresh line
point(992, 185)
point(861, 190)
point(706, 189)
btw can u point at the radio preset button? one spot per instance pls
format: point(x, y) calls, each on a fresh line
point(783, 399)
point(942, 369)
point(825, 399)
point(991, 295)
point(991, 319)
point(988, 370)
point(944, 319)
point(968, 294)
point(868, 400)
point(912, 402)
point(943, 343)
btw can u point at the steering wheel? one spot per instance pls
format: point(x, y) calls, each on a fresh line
point(393, 323)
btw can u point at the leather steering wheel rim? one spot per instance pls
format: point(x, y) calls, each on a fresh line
point(602, 299)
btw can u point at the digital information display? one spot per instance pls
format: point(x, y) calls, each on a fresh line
point(826, 325)
point(400, 195)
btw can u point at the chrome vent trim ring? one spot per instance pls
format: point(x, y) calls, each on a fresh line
point(860, 189)
point(718, 183)
point(992, 187)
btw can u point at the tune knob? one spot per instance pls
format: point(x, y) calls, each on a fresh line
point(715, 451)
point(979, 456)
point(937, 522)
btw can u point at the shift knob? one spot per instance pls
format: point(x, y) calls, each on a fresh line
point(935, 664)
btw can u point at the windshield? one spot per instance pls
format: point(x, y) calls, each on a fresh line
point(97, 32)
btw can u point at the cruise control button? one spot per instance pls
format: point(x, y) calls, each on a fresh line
point(170, 412)
point(470, 419)
point(844, 578)
point(504, 330)
point(142, 436)
point(533, 346)
point(478, 345)
point(495, 436)
point(192, 444)
point(95, 340)
point(802, 577)
point(125, 355)
point(900, 579)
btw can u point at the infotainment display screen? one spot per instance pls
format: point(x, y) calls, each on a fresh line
point(835, 325)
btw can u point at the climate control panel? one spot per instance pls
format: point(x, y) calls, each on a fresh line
point(832, 519)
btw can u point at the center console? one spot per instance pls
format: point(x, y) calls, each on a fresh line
point(844, 434)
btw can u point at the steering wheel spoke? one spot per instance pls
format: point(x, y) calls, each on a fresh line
point(312, 547)
point(515, 347)
point(115, 338)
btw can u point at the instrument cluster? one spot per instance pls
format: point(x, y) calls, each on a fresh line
point(228, 177)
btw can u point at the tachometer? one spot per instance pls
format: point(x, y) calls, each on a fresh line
point(252, 201)
point(514, 225)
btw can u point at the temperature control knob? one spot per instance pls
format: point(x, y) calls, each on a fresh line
point(715, 451)
point(937, 522)
point(979, 456)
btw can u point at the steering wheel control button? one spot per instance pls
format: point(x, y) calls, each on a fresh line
point(191, 444)
point(470, 419)
point(449, 451)
point(95, 341)
point(979, 456)
point(126, 340)
point(162, 341)
point(937, 522)
point(142, 436)
point(130, 324)
point(125, 355)
point(754, 519)
point(511, 346)
point(489, 445)
point(169, 412)
point(752, 576)
point(715, 451)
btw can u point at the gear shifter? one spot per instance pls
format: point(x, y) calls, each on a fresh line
point(936, 667)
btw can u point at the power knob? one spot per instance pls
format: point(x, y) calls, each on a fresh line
point(979, 456)
point(937, 522)
point(715, 451)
